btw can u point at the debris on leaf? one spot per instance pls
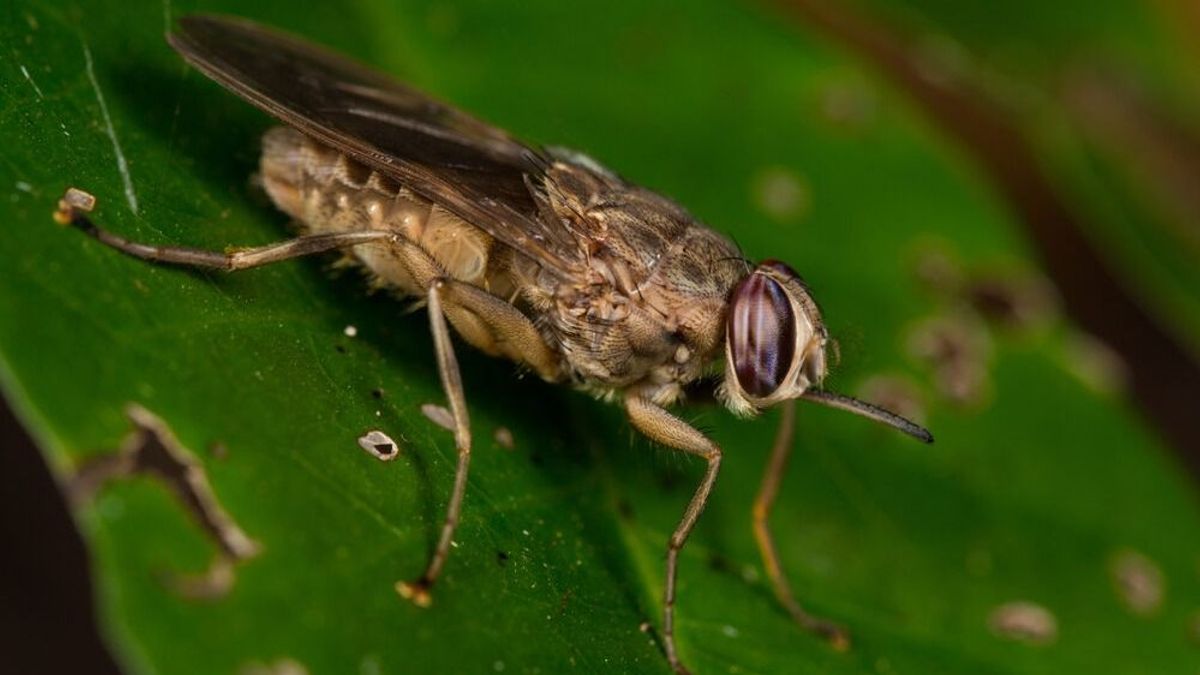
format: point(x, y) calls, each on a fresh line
point(153, 450)
point(1024, 621)
point(283, 666)
point(379, 445)
point(72, 201)
point(1138, 581)
point(439, 415)
point(504, 438)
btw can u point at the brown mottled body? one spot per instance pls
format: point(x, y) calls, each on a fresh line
point(540, 256)
point(646, 310)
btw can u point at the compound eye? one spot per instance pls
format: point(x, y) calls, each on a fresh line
point(761, 330)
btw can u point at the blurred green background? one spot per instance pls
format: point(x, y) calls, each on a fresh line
point(997, 205)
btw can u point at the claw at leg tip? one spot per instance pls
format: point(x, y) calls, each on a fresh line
point(416, 591)
point(63, 215)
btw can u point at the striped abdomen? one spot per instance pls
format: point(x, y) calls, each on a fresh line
point(325, 191)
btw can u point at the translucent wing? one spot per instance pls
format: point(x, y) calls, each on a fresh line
point(476, 171)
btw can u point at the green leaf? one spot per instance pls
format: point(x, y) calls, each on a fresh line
point(1109, 99)
point(763, 130)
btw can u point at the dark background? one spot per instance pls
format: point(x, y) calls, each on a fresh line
point(47, 623)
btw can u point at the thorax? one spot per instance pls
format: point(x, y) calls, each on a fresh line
point(642, 307)
point(647, 307)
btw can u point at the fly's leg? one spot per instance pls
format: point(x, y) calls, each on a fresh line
point(418, 591)
point(71, 211)
point(663, 427)
point(484, 321)
point(780, 452)
point(494, 326)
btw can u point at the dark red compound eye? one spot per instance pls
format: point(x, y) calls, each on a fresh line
point(762, 334)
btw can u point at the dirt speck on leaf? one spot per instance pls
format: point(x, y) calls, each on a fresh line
point(1024, 621)
point(1095, 363)
point(958, 350)
point(1013, 301)
point(782, 194)
point(1138, 582)
point(439, 415)
point(379, 445)
point(282, 666)
point(896, 393)
point(504, 438)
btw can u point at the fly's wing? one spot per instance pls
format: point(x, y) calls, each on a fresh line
point(472, 169)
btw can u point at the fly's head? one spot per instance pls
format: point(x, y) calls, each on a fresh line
point(774, 340)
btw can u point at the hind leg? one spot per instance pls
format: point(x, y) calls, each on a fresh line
point(74, 206)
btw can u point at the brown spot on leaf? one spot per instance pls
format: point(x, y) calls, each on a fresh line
point(439, 415)
point(896, 393)
point(937, 269)
point(211, 584)
point(504, 438)
point(1011, 300)
point(1010, 297)
point(282, 666)
point(849, 104)
point(958, 351)
point(1095, 363)
point(1024, 621)
point(1138, 582)
point(624, 509)
point(719, 563)
point(782, 194)
point(152, 450)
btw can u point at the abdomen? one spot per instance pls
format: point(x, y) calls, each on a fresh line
point(325, 191)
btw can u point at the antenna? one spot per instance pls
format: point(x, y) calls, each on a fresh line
point(869, 411)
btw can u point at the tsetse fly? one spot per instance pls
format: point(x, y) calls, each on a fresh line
point(538, 255)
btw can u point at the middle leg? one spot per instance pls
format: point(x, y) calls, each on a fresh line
point(485, 322)
point(418, 591)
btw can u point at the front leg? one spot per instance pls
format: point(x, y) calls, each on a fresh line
point(780, 451)
point(663, 427)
